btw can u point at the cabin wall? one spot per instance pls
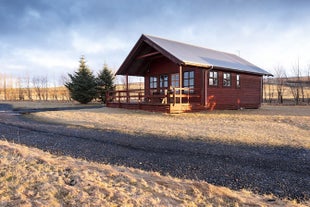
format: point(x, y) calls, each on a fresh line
point(248, 95)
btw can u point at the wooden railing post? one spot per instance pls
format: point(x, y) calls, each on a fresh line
point(127, 88)
point(119, 97)
point(174, 98)
point(181, 82)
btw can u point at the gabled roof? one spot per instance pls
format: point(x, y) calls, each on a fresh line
point(182, 54)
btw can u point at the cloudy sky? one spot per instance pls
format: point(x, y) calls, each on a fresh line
point(44, 37)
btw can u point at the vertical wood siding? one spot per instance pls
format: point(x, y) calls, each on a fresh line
point(247, 96)
point(219, 97)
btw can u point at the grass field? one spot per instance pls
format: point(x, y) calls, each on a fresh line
point(31, 177)
point(270, 125)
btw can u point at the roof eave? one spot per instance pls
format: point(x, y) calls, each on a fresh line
point(243, 71)
point(187, 63)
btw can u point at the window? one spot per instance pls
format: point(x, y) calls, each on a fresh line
point(153, 82)
point(163, 81)
point(226, 79)
point(238, 81)
point(188, 80)
point(213, 78)
point(175, 80)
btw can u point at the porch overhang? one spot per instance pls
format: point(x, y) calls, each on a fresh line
point(138, 61)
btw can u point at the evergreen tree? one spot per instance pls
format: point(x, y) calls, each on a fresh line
point(82, 84)
point(105, 82)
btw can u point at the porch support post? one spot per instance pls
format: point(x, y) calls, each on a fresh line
point(181, 81)
point(203, 91)
point(205, 95)
point(127, 89)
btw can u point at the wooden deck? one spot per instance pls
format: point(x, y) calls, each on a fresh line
point(163, 108)
point(165, 103)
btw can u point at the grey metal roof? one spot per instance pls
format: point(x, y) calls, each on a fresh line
point(198, 56)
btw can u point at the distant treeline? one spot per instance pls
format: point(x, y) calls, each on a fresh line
point(40, 88)
point(283, 90)
point(31, 88)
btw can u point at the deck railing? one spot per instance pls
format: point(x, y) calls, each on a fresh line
point(167, 96)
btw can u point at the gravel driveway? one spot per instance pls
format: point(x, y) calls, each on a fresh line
point(283, 171)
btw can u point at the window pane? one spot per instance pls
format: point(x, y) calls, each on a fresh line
point(175, 80)
point(188, 80)
point(211, 81)
point(238, 81)
point(153, 82)
point(185, 83)
point(191, 74)
point(213, 78)
point(191, 82)
point(185, 74)
point(163, 81)
point(226, 79)
point(211, 74)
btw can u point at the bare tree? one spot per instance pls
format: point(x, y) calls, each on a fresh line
point(308, 84)
point(55, 91)
point(295, 84)
point(5, 87)
point(28, 87)
point(1, 85)
point(64, 92)
point(19, 86)
point(268, 90)
point(8, 88)
point(36, 86)
point(279, 79)
point(44, 86)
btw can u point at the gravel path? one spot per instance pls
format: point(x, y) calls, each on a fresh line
point(282, 171)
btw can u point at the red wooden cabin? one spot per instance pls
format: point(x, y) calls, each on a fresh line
point(179, 77)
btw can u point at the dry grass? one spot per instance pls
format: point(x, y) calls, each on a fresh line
point(31, 177)
point(270, 125)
